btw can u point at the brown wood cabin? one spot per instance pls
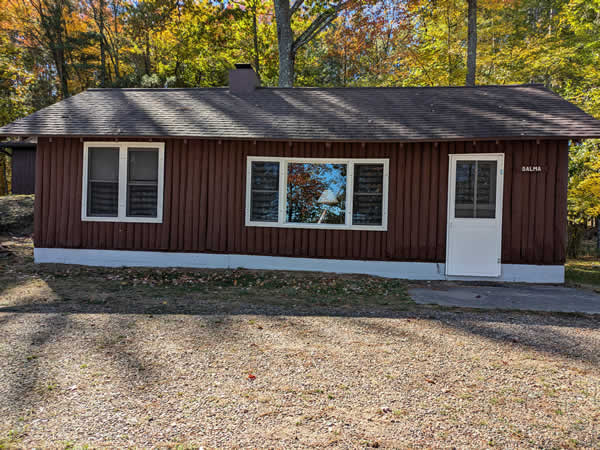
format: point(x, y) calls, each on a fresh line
point(418, 183)
point(22, 157)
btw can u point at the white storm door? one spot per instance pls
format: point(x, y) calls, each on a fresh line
point(474, 231)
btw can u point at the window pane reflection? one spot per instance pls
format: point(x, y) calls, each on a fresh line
point(316, 193)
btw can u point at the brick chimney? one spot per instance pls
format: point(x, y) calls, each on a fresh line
point(242, 79)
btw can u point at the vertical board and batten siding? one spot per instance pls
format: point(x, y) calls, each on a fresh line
point(204, 202)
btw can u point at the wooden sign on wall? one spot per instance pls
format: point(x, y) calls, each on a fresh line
point(531, 168)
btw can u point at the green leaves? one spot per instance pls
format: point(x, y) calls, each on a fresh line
point(584, 182)
point(372, 42)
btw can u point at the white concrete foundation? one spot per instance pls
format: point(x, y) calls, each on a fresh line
point(389, 269)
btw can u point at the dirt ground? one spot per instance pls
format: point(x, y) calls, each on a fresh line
point(163, 358)
point(16, 214)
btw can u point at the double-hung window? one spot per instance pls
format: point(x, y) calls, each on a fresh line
point(317, 193)
point(123, 182)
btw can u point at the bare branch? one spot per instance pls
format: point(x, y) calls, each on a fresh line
point(319, 24)
point(297, 4)
point(306, 37)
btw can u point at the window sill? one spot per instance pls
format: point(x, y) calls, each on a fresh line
point(123, 219)
point(317, 226)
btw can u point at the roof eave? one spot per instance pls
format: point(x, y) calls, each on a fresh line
point(292, 139)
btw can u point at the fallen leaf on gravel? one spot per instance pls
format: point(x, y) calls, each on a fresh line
point(251, 377)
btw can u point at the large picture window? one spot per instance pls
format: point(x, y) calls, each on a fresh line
point(123, 182)
point(317, 193)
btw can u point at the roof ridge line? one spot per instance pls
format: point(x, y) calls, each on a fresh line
point(316, 88)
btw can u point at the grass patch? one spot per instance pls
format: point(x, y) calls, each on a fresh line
point(583, 272)
point(164, 290)
point(11, 440)
point(155, 291)
point(280, 284)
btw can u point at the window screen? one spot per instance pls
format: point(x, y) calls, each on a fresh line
point(142, 182)
point(264, 201)
point(367, 206)
point(475, 195)
point(103, 182)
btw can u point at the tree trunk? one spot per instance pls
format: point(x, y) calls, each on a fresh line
point(59, 61)
point(116, 34)
point(64, 78)
point(56, 34)
point(448, 53)
point(147, 53)
point(102, 43)
point(575, 234)
point(287, 44)
point(472, 43)
point(179, 82)
point(598, 234)
point(285, 41)
point(255, 32)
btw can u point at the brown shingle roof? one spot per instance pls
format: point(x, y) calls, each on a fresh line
point(336, 114)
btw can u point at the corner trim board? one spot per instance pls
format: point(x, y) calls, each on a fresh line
point(525, 273)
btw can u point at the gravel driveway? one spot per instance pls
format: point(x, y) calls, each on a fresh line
point(95, 358)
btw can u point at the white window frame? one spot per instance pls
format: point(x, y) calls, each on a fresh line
point(122, 201)
point(283, 170)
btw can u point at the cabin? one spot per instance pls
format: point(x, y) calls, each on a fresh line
point(432, 183)
point(22, 157)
